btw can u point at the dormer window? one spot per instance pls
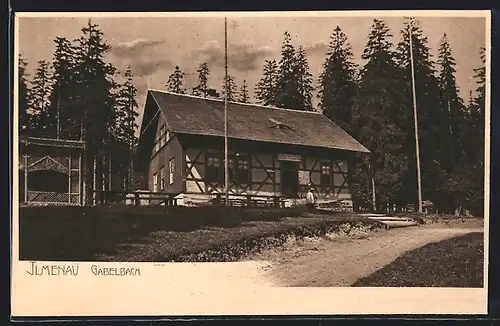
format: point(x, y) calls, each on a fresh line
point(279, 125)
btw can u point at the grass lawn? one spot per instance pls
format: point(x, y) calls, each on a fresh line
point(456, 262)
point(128, 233)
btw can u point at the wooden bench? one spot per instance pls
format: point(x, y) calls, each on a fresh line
point(252, 201)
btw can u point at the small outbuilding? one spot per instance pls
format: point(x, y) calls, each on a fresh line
point(50, 171)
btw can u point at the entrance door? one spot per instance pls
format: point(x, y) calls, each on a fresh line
point(289, 179)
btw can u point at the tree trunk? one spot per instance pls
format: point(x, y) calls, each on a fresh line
point(110, 173)
point(94, 181)
point(374, 197)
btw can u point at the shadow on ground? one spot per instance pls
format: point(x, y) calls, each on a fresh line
point(87, 233)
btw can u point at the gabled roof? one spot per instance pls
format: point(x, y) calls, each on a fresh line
point(186, 114)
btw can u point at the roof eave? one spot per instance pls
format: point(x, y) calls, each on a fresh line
point(363, 150)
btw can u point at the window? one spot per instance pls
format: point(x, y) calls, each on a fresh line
point(161, 137)
point(162, 178)
point(171, 168)
point(243, 171)
point(213, 168)
point(156, 147)
point(155, 182)
point(326, 175)
point(238, 169)
point(231, 170)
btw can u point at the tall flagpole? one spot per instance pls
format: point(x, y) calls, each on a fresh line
point(226, 173)
point(417, 149)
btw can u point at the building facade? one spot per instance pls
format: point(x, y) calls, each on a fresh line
point(271, 151)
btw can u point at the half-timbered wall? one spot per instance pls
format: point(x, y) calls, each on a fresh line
point(249, 173)
point(328, 176)
point(264, 174)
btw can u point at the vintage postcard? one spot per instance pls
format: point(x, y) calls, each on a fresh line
point(251, 163)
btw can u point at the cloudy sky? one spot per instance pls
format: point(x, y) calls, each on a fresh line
point(154, 45)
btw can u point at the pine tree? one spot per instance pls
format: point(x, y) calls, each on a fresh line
point(476, 109)
point(463, 186)
point(466, 183)
point(127, 114)
point(337, 84)
point(203, 73)
point(23, 97)
point(243, 96)
point(95, 86)
point(470, 103)
point(62, 97)
point(231, 88)
point(265, 90)
point(176, 80)
point(376, 124)
point(429, 122)
point(41, 121)
point(94, 108)
point(480, 76)
point(452, 109)
point(304, 80)
point(126, 126)
point(287, 87)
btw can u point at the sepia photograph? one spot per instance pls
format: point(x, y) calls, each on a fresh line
point(242, 151)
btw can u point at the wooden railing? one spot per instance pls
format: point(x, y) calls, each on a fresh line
point(134, 198)
point(49, 198)
point(159, 198)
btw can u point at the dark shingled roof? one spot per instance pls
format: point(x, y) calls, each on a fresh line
point(186, 114)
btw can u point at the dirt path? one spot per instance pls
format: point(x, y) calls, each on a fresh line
point(340, 261)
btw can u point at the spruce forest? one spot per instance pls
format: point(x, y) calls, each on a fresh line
point(77, 96)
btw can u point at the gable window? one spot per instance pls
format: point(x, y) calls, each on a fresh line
point(171, 169)
point(162, 178)
point(155, 182)
point(326, 175)
point(162, 139)
point(213, 172)
point(156, 147)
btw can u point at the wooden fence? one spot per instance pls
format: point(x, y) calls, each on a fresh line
point(134, 198)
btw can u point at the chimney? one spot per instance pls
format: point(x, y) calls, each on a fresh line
point(212, 93)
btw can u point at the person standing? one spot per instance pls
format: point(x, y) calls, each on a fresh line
point(310, 199)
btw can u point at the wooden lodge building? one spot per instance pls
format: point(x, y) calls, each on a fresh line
point(272, 151)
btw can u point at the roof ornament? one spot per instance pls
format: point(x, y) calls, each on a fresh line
point(279, 125)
